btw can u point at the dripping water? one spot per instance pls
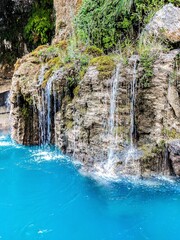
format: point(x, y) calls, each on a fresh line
point(133, 102)
point(112, 115)
point(42, 108)
point(132, 153)
point(47, 110)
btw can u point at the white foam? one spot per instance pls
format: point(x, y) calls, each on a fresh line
point(44, 231)
point(41, 156)
point(5, 144)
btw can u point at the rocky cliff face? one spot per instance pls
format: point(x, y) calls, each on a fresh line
point(65, 12)
point(111, 115)
point(81, 125)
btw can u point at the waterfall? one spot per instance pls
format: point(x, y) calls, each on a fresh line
point(132, 153)
point(133, 102)
point(112, 122)
point(41, 75)
point(42, 108)
point(46, 108)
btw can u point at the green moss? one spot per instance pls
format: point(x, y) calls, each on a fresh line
point(82, 72)
point(55, 63)
point(69, 124)
point(94, 51)
point(29, 100)
point(105, 65)
point(62, 44)
point(170, 133)
point(147, 151)
point(36, 52)
point(25, 112)
point(47, 75)
point(76, 91)
point(67, 100)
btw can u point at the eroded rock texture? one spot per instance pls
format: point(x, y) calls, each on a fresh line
point(166, 23)
point(65, 12)
point(80, 123)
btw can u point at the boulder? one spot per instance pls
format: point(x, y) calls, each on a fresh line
point(166, 24)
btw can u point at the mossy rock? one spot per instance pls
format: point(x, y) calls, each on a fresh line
point(94, 51)
point(55, 62)
point(170, 133)
point(76, 91)
point(105, 65)
point(38, 50)
point(17, 65)
point(62, 44)
point(47, 75)
point(69, 124)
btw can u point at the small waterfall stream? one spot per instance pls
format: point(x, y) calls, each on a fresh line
point(133, 102)
point(42, 108)
point(132, 153)
point(112, 115)
point(47, 106)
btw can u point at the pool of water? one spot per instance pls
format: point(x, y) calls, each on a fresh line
point(43, 196)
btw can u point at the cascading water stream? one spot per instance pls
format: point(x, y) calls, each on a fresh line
point(132, 153)
point(48, 93)
point(42, 108)
point(112, 122)
point(46, 107)
point(133, 102)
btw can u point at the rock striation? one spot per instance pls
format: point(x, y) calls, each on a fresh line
point(80, 123)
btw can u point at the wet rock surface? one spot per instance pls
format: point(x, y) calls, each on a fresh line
point(174, 156)
point(80, 125)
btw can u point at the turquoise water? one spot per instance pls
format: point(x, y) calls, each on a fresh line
point(42, 196)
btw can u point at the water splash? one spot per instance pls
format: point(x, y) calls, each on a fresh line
point(125, 162)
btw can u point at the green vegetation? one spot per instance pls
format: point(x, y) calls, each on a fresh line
point(104, 23)
point(147, 62)
point(40, 25)
point(94, 51)
point(105, 65)
point(170, 133)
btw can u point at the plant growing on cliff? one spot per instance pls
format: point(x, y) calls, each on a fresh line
point(104, 23)
point(40, 26)
point(147, 61)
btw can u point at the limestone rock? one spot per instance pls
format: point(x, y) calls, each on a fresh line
point(166, 23)
point(80, 123)
point(65, 12)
